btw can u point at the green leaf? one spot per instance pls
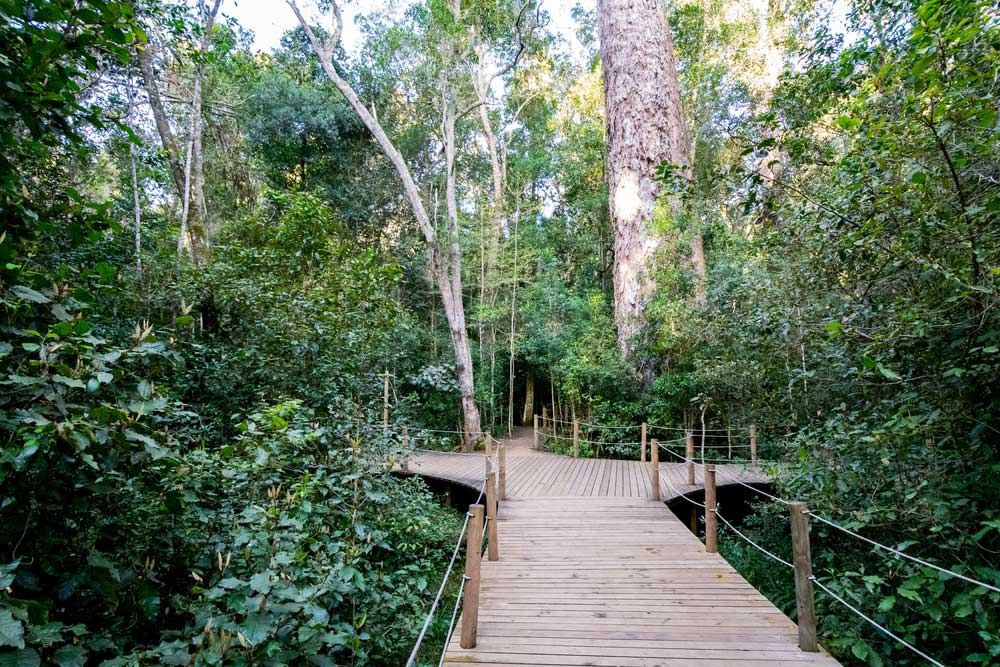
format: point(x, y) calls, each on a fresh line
point(29, 294)
point(860, 649)
point(11, 630)
point(261, 582)
point(70, 656)
point(148, 597)
point(910, 594)
point(69, 382)
point(27, 657)
point(8, 573)
point(25, 380)
point(888, 372)
point(887, 603)
point(257, 628)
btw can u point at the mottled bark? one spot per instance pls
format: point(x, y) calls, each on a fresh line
point(497, 169)
point(528, 416)
point(167, 137)
point(644, 126)
point(196, 224)
point(187, 171)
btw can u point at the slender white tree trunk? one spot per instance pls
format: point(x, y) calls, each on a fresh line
point(137, 210)
point(513, 335)
point(445, 260)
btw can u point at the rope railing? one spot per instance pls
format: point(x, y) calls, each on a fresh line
point(440, 592)
point(730, 438)
point(800, 512)
point(454, 616)
point(720, 432)
point(867, 540)
point(879, 627)
point(802, 565)
point(492, 488)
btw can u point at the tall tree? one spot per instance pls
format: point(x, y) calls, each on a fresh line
point(444, 254)
point(645, 126)
point(188, 163)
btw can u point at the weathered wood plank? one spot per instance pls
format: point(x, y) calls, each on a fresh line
point(592, 572)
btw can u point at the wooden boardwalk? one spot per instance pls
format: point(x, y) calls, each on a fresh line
point(532, 473)
point(592, 572)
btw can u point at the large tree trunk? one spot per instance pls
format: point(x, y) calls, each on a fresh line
point(528, 416)
point(645, 126)
point(444, 259)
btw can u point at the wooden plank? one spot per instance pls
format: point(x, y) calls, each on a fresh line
point(592, 572)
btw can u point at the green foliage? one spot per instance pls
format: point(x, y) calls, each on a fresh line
point(187, 472)
point(306, 545)
point(857, 318)
point(50, 46)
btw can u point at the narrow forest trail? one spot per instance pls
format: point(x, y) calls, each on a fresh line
point(591, 571)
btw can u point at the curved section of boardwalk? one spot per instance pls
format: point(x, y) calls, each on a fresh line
point(592, 572)
point(531, 473)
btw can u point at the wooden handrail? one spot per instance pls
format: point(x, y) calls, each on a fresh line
point(473, 558)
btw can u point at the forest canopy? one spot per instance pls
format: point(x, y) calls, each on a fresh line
point(219, 265)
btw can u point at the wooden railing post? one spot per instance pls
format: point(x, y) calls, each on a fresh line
point(642, 451)
point(502, 453)
point(576, 439)
point(711, 521)
point(689, 455)
point(802, 559)
point(545, 418)
point(654, 467)
point(406, 450)
point(473, 556)
point(487, 444)
point(753, 444)
point(492, 547)
point(536, 431)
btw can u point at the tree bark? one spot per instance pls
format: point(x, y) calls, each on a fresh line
point(136, 202)
point(499, 177)
point(188, 175)
point(137, 211)
point(445, 266)
point(645, 126)
point(167, 138)
point(528, 416)
point(513, 332)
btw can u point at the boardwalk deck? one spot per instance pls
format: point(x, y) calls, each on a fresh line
point(592, 572)
point(532, 474)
